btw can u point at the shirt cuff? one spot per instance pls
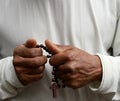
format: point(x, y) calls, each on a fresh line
point(108, 82)
point(10, 74)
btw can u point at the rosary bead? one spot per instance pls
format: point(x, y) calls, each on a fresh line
point(48, 56)
point(53, 72)
point(37, 46)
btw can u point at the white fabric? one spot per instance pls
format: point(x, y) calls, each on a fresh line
point(92, 25)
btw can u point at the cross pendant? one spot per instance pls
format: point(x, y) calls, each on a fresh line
point(54, 89)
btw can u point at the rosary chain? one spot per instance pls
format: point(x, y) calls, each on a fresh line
point(54, 78)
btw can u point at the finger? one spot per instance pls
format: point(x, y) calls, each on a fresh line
point(52, 47)
point(58, 59)
point(25, 70)
point(28, 52)
point(31, 43)
point(27, 79)
point(30, 62)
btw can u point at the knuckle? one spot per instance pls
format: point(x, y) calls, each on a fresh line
point(51, 61)
point(38, 77)
point(71, 67)
point(74, 85)
point(38, 61)
point(44, 59)
point(72, 77)
point(35, 62)
point(41, 75)
point(30, 53)
point(18, 70)
point(22, 79)
point(69, 56)
point(40, 50)
point(36, 52)
point(17, 60)
point(41, 69)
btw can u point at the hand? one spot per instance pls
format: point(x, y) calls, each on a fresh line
point(75, 67)
point(29, 62)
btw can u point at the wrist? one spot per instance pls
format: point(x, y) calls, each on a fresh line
point(98, 68)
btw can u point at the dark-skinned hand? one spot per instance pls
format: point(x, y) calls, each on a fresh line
point(29, 62)
point(75, 67)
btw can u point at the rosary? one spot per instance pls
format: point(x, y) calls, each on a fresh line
point(55, 81)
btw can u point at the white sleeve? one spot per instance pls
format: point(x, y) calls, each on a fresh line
point(9, 83)
point(110, 84)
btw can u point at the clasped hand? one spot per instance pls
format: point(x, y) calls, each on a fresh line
point(75, 67)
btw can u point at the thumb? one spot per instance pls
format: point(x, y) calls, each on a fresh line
point(52, 47)
point(31, 43)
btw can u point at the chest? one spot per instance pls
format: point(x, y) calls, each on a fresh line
point(77, 22)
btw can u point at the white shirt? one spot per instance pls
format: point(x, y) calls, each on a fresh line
point(91, 25)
